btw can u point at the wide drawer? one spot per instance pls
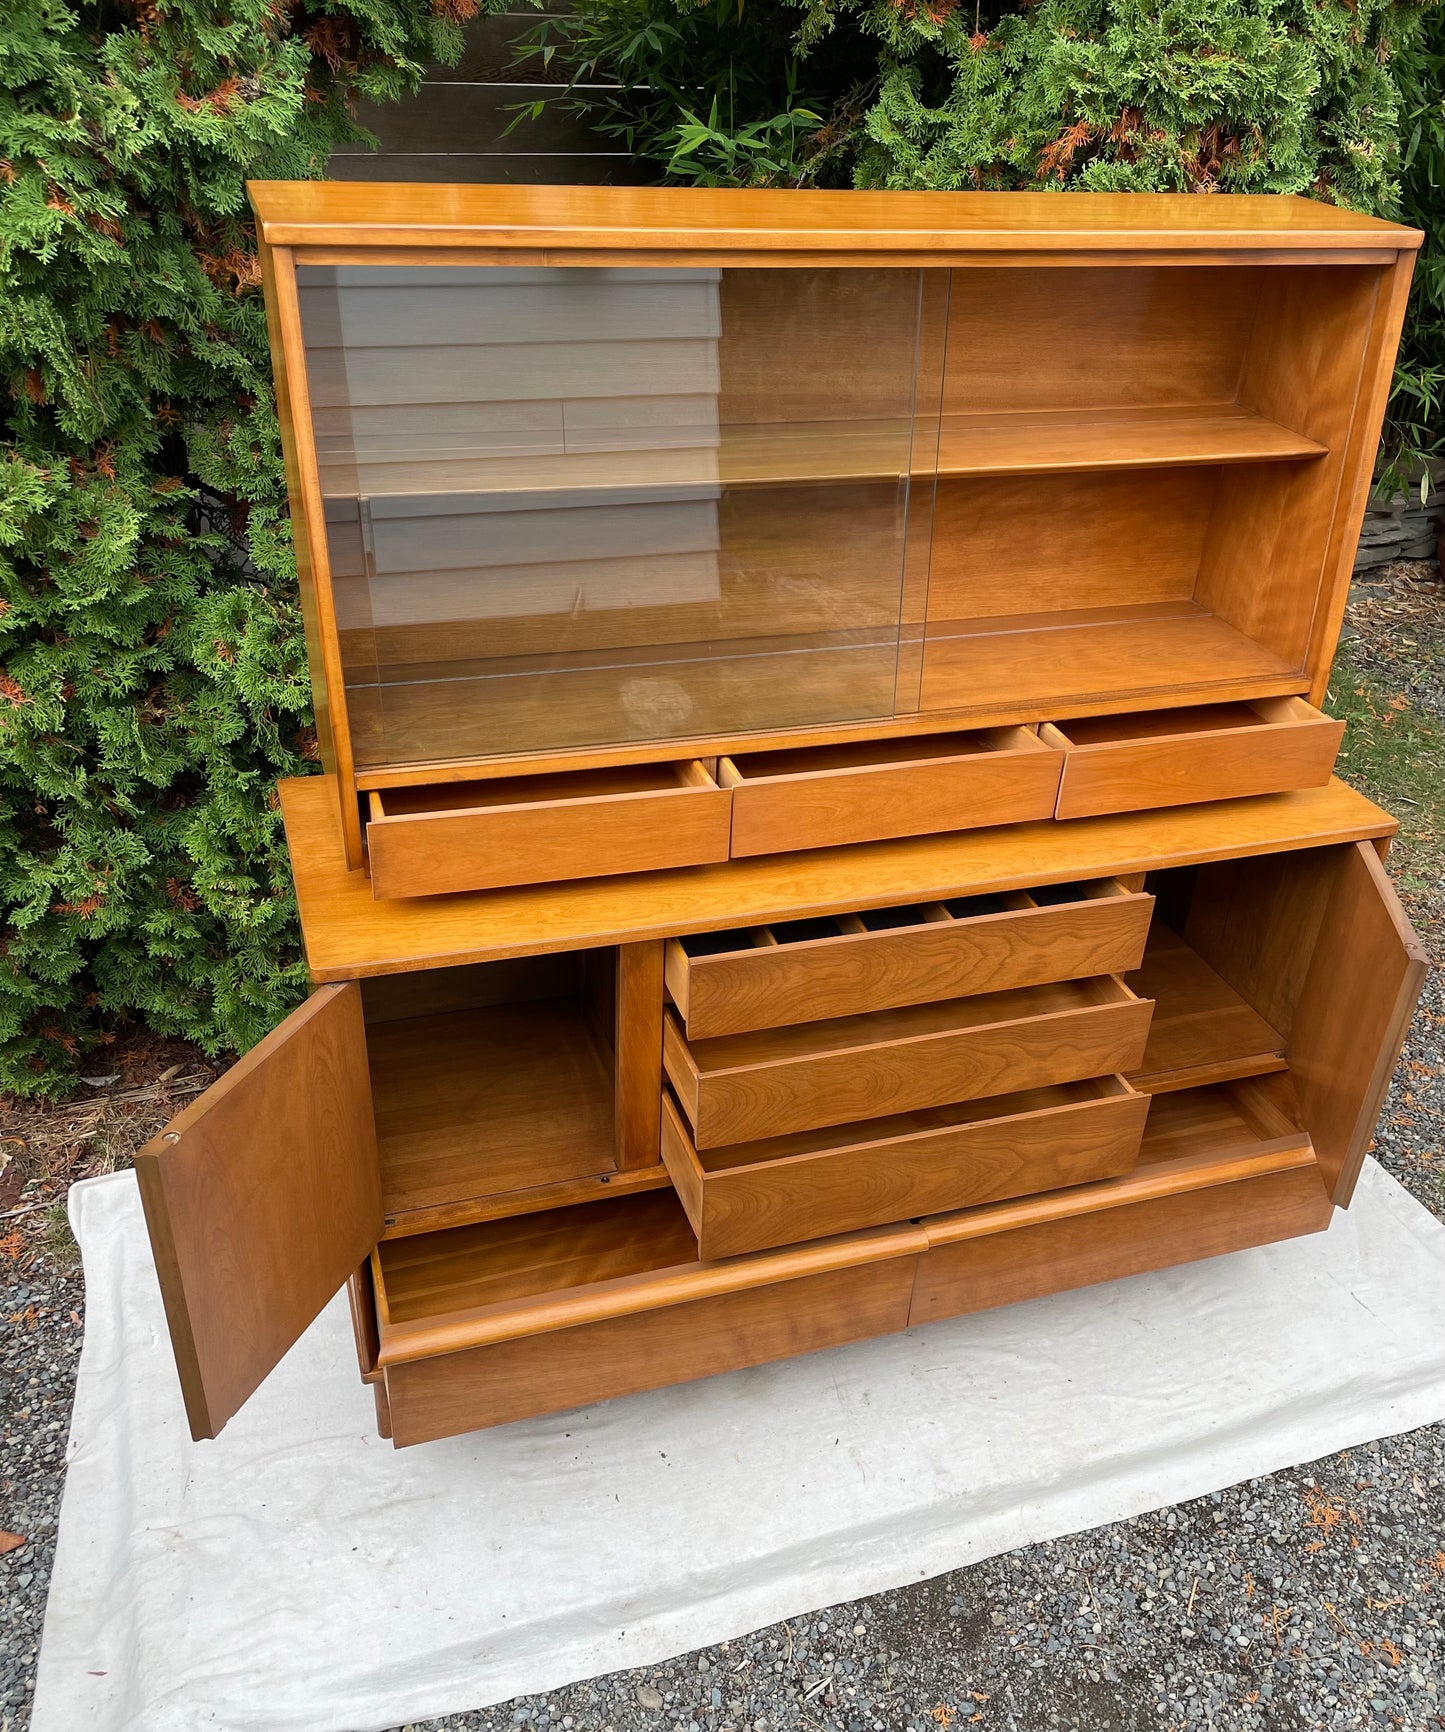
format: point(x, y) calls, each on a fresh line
point(1177, 757)
point(425, 841)
point(483, 1325)
point(780, 1191)
point(824, 796)
point(741, 1087)
point(846, 965)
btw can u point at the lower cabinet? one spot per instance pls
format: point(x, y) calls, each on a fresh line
point(557, 1179)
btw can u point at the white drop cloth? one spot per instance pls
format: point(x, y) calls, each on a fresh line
point(299, 1575)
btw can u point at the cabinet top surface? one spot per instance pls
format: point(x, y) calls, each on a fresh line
point(349, 934)
point(355, 213)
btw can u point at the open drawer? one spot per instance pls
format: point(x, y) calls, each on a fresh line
point(824, 796)
point(845, 965)
point(425, 841)
point(488, 1324)
point(741, 1087)
point(814, 1183)
point(1177, 757)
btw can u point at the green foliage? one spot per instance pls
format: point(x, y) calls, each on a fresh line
point(1415, 420)
point(152, 677)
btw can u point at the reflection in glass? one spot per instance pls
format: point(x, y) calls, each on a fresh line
point(574, 506)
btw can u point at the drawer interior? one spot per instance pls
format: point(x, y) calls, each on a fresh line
point(744, 767)
point(524, 1257)
point(600, 784)
point(1192, 719)
point(1216, 1121)
point(491, 1083)
point(800, 1041)
point(831, 926)
point(1203, 1030)
point(769, 1151)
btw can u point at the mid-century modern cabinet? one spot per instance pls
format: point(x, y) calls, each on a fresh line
point(826, 821)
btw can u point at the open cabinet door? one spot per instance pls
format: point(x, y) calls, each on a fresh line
point(261, 1198)
point(1360, 992)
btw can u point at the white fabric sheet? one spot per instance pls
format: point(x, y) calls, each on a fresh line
point(299, 1575)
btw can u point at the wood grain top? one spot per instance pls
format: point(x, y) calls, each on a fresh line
point(350, 213)
point(349, 934)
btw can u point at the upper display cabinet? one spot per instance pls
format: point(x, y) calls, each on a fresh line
point(587, 478)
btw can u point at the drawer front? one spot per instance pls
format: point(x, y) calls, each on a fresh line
point(916, 958)
point(821, 1074)
point(1289, 745)
point(1002, 782)
point(791, 1189)
point(565, 1368)
point(538, 841)
point(1004, 1268)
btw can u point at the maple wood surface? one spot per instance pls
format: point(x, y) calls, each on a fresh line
point(311, 212)
point(784, 1189)
point(1202, 1030)
point(738, 1088)
point(262, 1198)
point(533, 830)
point(1275, 745)
point(349, 934)
point(762, 977)
point(826, 796)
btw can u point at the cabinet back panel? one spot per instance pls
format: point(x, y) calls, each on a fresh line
point(1024, 543)
point(1089, 338)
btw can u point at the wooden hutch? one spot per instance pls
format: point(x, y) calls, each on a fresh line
point(826, 822)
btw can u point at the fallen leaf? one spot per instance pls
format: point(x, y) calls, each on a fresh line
point(10, 1542)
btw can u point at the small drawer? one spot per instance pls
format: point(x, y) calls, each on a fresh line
point(738, 1088)
point(1178, 757)
point(751, 1196)
point(824, 796)
point(847, 965)
point(425, 841)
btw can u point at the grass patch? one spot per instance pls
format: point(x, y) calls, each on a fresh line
point(1394, 751)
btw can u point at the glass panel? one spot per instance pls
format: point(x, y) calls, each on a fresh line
point(575, 506)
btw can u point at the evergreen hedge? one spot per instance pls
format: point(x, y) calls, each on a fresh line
point(152, 678)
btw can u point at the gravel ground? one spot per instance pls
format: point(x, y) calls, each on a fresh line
point(1313, 1598)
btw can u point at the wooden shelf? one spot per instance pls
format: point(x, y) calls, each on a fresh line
point(484, 1113)
point(1038, 442)
point(787, 453)
point(1126, 655)
point(1222, 1122)
point(1202, 1030)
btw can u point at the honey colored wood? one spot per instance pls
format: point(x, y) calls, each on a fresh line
point(348, 934)
point(303, 486)
point(534, 830)
point(1364, 981)
point(811, 1184)
point(1127, 763)
point(1053, 440)
point(261, 1200)
point(638, 1044)
point(1124, 655)
point(1357, 476)
point(475, 1105)
point(1131, 1238)
point(534, 1275)
point(1103, 540)
point(574, 1367)
point(825, 796)
point(1202, 1030)
point(897, 957)
point(648, 219)
point(361, 1302)
point(742, 1087)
